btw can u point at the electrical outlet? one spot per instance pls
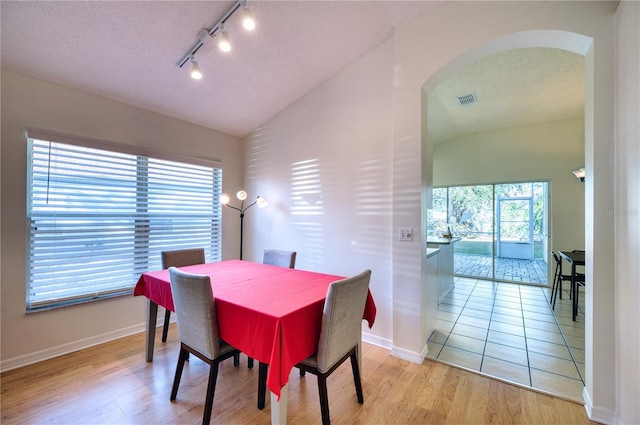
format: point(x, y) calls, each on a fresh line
point(405, 234)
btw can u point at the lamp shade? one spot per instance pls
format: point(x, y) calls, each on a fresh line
point(579, 173)
point(262, 202)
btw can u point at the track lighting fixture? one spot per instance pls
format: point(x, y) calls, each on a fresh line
point(196, 74)
point(217, 30)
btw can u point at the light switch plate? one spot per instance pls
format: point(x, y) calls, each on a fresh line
point(405, 234)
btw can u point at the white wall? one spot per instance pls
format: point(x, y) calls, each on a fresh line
point(627, 213)
point(326, 127)
point(323, 165)
point(27, 102)
point(542, 152)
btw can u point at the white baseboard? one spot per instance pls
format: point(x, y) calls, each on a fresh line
point(49, 353)
point(376, 340)
point(410, 356)
point(52, 352)
point(60, 350)
point(596, 414)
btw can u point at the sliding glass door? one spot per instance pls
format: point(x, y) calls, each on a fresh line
point(503, 229)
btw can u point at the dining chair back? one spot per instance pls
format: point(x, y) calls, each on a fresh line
point(340, 335)
point(558, 278)
point(280, 258)
point(179, 258)
point(198, 330)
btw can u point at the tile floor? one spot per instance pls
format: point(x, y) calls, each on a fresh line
point(510, 332)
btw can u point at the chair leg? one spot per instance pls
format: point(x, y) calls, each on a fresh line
point(236, 360)
point(182, 357)
point(554, 288)
point(211, 389)
point(165, 328)
point(575, 301)
point(560, 286)
point(356, 376)
point(250, 362)
point(324, 399)
point(262, 384)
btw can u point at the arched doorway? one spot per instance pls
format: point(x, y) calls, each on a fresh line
point(549, 39)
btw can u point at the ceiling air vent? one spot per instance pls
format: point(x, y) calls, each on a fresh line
point(467, 99)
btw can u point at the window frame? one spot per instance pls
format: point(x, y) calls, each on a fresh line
point(177, 209)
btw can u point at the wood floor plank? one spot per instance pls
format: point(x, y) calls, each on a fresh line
point(112, 383)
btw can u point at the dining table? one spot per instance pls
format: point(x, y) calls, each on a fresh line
point(574, 258)
point(272, 314)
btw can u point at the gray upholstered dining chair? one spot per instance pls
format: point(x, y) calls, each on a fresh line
point(279, 258)
point(198, 330)
point(339, 339)
point(179, 258)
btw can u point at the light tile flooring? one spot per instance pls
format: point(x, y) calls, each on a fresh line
point(510, 332)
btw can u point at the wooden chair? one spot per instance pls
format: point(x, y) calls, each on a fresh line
point(340, 335)
point(179, 258)
point(198, 330)
point(279, 258)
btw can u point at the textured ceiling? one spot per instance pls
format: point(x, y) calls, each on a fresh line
point(128, 51)
point(513, 88)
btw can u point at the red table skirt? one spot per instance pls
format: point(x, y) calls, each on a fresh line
point(270, 313)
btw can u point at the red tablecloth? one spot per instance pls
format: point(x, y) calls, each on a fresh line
point(272, 314)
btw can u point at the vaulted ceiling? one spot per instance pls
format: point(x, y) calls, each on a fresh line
point(128, 51)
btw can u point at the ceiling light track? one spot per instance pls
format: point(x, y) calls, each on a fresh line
point(216, 29)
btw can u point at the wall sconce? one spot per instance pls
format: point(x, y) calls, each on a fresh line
point(579, 173)
point(242, 196)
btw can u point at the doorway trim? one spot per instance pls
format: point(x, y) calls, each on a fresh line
point(599, 242)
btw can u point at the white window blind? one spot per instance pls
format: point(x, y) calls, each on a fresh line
point(99, 218)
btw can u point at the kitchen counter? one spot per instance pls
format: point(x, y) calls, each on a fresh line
point(445, 263)
point(441, 241)
point(432, 251)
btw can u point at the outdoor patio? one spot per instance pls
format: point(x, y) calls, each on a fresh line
point(507, 269)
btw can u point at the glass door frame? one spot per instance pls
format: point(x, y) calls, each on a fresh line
point(438, 220)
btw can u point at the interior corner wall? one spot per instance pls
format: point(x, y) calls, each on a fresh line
point(540, 152)
point(31, 103)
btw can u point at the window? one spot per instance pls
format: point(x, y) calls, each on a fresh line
point(99, 218)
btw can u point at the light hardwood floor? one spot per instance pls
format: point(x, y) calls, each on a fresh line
point(112, 384)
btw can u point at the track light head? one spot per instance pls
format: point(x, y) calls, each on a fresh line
point(247, 19)
point(223, 43)
point(196, 74)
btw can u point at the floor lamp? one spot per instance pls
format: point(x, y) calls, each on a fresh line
point(242, 196)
